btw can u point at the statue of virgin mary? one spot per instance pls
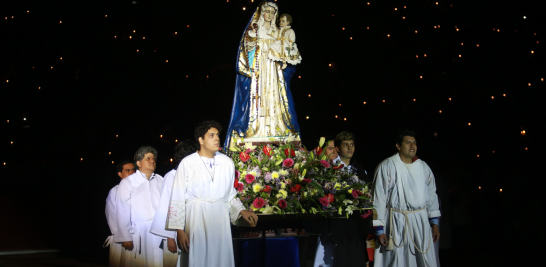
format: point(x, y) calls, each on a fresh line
point(263, 107)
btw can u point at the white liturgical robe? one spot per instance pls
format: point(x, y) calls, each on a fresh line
point(137, 201)
point(116, 249)
point(405, 196)
point(203, 203)
point(160, 219)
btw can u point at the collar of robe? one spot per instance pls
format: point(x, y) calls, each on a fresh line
point(143, 175)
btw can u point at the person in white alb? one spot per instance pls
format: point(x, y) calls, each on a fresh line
point(136, 203)
point(124, 168)
point(170, 251)
point(204, 202)
point(407, 208)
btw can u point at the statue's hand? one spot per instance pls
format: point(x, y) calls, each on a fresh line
point(284, 65)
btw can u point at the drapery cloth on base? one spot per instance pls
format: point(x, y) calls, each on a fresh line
point(203, 207)
point(405, 198)
point(136, 203)
point(262, 106)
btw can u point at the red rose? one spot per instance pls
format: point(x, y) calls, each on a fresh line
point(355, 194)
point(267, 150)
point(324, 201)
point(267, 189)
point(318, 150)
point(296, 188)
point(330, 197)
point(282, 204)
point(258, 202)
point(244, 156)
point(414, 159)
point(236, 183)
point(307, 180)
point(290, 152)
point(338, 167)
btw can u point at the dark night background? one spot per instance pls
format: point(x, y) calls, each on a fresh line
point(103, 87)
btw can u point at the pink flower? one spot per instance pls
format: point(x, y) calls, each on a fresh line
point(240, 187)
point(282, 204)
point(249, 178)
point(324, 201)
point(237, 174)
point(258, 202)
point(288, 162)
point(325, 163)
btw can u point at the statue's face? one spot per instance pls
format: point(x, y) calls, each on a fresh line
point(284, 22)
point(269, 12)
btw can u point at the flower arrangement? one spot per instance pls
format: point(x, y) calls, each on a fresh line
point(287, 178)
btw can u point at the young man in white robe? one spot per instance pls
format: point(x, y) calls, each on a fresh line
point(124, 168)
point(136, 203)
point(170, 251)
point(204, 202)
point(407, 208)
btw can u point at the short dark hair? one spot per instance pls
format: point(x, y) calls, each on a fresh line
point(202, 128)
point(400, 136)
point(143, 150)
point(184, 149)
point(288, 18)
point(119, 167)
point(343, 136)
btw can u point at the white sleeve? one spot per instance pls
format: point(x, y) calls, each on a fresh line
point(381, 192)
point(162, 212)
point(111, 210)
point(235, 205)
point(177, 207)
point(123, 212)
point(433, 207)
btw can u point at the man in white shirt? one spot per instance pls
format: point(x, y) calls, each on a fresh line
point(136, 204)
point(170, 251)
point(204, 202)
point(124, 168)
point(407, 208)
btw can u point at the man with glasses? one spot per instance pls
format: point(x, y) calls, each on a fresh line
point(136, 204)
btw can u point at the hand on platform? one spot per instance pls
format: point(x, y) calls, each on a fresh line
point(171, 245)
point(435, 233)
point(183, 241)
point(247, 214)
point(382, 239)
point(128, 245)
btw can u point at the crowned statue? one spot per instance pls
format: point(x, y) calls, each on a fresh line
point(263, 108)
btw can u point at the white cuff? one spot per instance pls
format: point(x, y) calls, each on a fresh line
point(434, 213)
